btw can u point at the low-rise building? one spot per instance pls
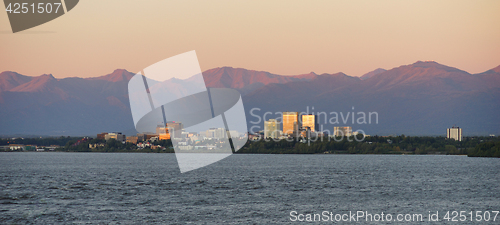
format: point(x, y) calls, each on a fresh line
point(96, 145)
point(16, 147)
point(101, 136)
point(145, 136)
point(342, 131)
point(132, 139)
point(116, 136)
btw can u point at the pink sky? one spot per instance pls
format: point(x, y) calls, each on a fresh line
point(282, 37)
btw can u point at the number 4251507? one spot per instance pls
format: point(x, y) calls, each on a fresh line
point(470, 216)
point(33, 7)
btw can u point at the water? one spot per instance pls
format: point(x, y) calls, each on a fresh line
point(133, 188)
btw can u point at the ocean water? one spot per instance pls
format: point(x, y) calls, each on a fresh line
point(135, 188)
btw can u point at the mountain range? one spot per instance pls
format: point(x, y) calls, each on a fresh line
point(423, 98)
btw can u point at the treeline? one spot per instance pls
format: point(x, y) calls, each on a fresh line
point(61, 141)
point(471, 146)
point(113, 145)
point(487, 149)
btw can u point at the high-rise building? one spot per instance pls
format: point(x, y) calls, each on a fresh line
point(342, 131)
point(271, 129)
point(162, 132)
point(454, 133)
point(291, 123)
point(309, 121)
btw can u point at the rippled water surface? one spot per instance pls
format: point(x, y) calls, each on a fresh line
point(133, 188)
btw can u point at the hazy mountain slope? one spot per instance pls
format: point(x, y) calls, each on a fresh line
point(245, 80)
point(9, 80)
point(423, 98)
point(69, 106)
point(372, 73)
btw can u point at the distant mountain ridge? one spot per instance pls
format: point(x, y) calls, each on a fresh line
point(247, 80)
point(372, 73)
point(116, 76)
point(423, 98)
point(9, 80)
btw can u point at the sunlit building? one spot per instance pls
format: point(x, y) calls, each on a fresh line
point(454, 133)
point(164, 136)
point(271, 129)
point(132, 139)
point(309, 121)
point(291, 123)
point(164, 132)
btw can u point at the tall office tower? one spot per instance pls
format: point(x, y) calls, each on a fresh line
point(290, 123)
point(271, 129)
point(342, 131)
point(309, 121)
point(454, 133)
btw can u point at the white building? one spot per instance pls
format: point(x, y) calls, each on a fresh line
point(454, 133)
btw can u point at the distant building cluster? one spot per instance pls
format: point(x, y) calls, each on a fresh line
point(293, 124)
point(296, 125)
point(209, 139)
point(21, 147)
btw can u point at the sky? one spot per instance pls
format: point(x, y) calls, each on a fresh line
point(282, 37)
